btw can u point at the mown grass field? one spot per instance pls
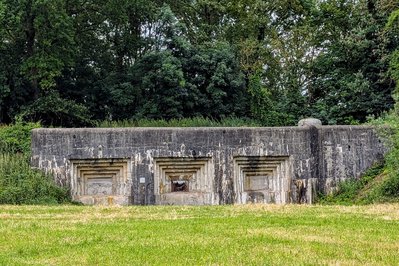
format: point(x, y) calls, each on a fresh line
point(217, 235)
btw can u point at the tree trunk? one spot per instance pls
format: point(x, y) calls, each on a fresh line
point(30, 48)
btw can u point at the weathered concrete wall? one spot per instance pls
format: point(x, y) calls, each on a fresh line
point(314, 158)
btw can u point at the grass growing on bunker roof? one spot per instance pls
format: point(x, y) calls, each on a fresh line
point(182, 122)
point(211, 235)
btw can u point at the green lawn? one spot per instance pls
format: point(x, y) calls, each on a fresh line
point(249, 234)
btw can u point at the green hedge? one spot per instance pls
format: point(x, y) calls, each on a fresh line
point(16, 138)
point(19, 183)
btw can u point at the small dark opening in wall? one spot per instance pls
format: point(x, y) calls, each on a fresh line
point(180, 186)
point(349, 147)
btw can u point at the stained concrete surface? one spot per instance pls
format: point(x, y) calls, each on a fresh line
point(316, 159)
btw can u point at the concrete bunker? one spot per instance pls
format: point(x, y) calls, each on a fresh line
point(204, 166)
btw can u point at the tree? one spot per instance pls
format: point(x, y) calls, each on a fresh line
point(350, 78)
point(180, 79)
point(275, 61)
point(37, 44)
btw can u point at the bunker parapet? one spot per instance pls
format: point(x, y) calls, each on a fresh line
point(204, 166)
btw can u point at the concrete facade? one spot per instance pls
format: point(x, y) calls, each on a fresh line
point(204, 166)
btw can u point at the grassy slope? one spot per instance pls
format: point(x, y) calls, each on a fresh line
point(252, 234)
point(365, 194)
point(368, 189)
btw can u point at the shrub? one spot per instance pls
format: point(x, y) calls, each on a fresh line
point(348, 191)
point(52, 110)
point(16, 138)
point(388, 129)
point(19, 184)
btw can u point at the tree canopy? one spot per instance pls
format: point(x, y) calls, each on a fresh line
point(69, 63)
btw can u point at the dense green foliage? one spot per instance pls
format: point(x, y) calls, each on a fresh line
point(16, 138)
point(388, 188)
point(72, 63)
point(19, 184)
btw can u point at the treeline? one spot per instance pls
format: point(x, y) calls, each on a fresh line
point(74, 62)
